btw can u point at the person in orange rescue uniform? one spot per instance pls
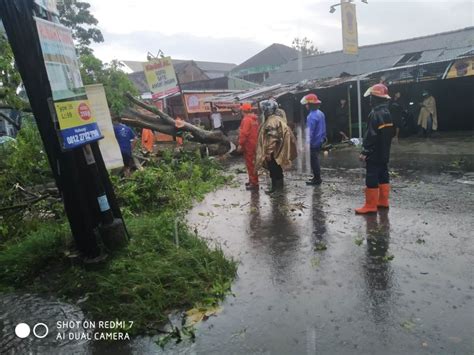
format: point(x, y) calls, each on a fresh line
point(248, 144)
point(148, 140)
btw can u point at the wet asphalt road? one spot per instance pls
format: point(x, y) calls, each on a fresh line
point(400, 282)
point(314, 278)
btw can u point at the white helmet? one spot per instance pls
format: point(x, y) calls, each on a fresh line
point(268, 107)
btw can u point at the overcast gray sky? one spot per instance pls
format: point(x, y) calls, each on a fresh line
point(233, 31)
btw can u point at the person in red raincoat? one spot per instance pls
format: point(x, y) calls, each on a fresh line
point(248, 143)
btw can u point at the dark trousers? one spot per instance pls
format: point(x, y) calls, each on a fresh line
point(314, 156)
point(376, 173)
point(276, 172)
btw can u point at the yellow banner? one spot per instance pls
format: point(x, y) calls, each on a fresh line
point(160, 76)
point(73, 114)
point(350, 43)
point(460, 68)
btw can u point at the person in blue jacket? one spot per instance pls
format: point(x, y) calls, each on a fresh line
point(126, 141)
point(316, 126)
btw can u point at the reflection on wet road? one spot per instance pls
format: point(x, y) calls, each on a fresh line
point(314, 278)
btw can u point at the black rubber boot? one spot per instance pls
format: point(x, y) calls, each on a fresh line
point(272, 188)
point(279, 184)
point(251, 187)
point(314, 181)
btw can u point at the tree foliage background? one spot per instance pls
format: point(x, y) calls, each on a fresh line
point(9, 77)
point(76, 15)
point(115, 81)
point(305, 46)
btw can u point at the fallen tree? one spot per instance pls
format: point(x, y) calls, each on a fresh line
point(215, 141)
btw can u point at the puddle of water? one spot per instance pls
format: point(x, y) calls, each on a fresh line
point(33, 310)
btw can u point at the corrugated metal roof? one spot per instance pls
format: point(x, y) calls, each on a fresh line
point(214, 67)
point(442, 46)
point(276, 55)
point(139, 80)
point(254, 95)
point(224, 83)
point(134, 65)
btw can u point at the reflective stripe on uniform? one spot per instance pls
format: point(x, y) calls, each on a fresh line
point(385, 125)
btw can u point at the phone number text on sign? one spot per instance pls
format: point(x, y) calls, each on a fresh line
point(83, 137)
point(75, 137)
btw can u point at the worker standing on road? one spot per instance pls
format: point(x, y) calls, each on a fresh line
point(396, 109)
point(276, 147)
point(248, 136)
point(342, 122)
point(316, 128)
point(428, 117)
point(376, 150)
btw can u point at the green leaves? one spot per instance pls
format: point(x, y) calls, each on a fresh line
point(9, 77)
point(305, 46)
point(320, 246)
point(359, 241)
point(116, 82)
point(76, 15)
point(168, 183)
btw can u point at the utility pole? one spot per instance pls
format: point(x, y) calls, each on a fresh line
point(80, 173)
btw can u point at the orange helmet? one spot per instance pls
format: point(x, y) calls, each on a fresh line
point(379, 90)
point(310, 99)
point(246, 106)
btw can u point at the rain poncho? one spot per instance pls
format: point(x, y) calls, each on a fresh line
point(275, 138)
point(428, 108)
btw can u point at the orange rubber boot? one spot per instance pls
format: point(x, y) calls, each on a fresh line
point(371, 199)
point(384, 193)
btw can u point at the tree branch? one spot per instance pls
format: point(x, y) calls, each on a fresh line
point(5, 117)
point(23, 205)
point(199, 135)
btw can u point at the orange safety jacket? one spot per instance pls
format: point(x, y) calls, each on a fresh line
point(248, 136)
point(148, 139)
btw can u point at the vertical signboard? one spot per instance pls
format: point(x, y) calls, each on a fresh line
point(109, 147)
point(48, 5)
point(350, 43)
point(161, 78)
point(76, 123)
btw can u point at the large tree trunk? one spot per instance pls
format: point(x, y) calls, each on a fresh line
point(199, 135)
point(216, 141)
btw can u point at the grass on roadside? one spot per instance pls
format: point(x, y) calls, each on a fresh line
point(141, 283)
point(151, 276)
